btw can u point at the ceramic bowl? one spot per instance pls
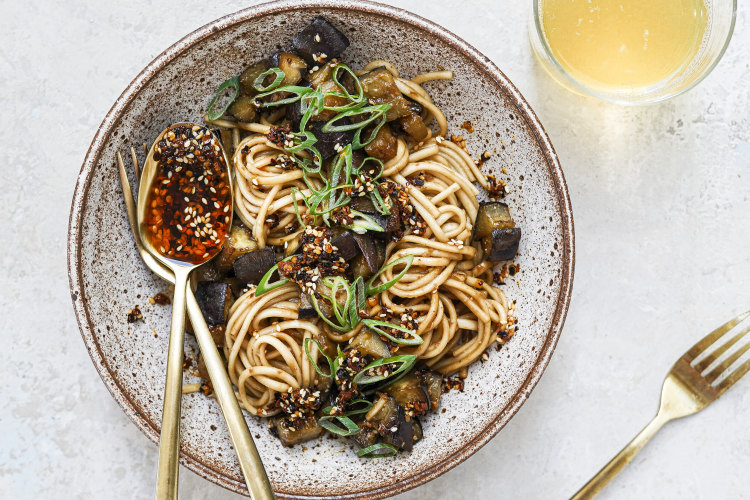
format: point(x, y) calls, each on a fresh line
point(107, 277)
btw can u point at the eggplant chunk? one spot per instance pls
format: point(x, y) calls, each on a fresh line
point(250, 267)
point(240, 242)
point(369, 251)
point(384, 146)
point(497, 231)
point(492, 215)
point(369, 343)
point(347, 245)
point(306, 308)
point(243, 109)
point(303, 431)
point(215, 299)
point(291, 64)
point(411, 393)
point(319, 42)
point(366, 436)
point(327, 141)
point(433, 382)
point(413, 125)
point(391, 423)
point(247, 78)
point(504, 244)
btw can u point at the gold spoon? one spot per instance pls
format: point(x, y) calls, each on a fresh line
point(184, 215)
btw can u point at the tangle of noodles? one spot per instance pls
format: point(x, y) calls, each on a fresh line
point(449, 286)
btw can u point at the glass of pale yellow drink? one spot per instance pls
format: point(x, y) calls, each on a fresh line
point(631, 51)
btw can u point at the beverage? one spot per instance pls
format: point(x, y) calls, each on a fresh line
point(608, 45)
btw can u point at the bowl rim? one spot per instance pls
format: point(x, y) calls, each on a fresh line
point(484, 65)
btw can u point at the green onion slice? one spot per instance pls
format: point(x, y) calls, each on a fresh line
point(215, 114)
point(349, 427)
point(408, 259)
point(363, 223)
point(264, 286)
point(258, 83)
point(375, 325)
point(404, 362)
point(306, 347)
point(378, 450)
point(339, 328)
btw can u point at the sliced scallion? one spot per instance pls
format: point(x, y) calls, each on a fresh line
point(215, 114)
point(377, 327)
point(306, 347)
point(264, 286)
point(378, 450)
point(371, 290)
point(349, 427)
point(404, 362)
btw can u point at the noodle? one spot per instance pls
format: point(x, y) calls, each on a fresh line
point(447, 285)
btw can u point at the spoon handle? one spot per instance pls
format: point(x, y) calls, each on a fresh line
point(169, 441)
point(255, 475)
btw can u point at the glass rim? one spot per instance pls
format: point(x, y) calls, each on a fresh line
point(608, 97)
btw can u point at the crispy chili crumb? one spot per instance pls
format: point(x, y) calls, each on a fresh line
point(160, 298)
point(459, 141)
point(297, 405)
point(319, 258)
point(134, 315)
point(496, 187)
point(351, 364)
point(280, 135)
point(454, 383)
point(483, 158)
point(272, 220)
point(286, 162)
point(513, 269)
point(207, 388)
point(468, 126)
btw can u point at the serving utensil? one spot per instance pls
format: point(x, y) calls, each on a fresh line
point(251, 465)
point(695, 381)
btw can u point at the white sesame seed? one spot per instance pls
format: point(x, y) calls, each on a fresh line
point(317, 37)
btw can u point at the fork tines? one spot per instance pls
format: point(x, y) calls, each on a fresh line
point(701, 359)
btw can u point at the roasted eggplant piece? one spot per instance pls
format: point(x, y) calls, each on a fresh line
point(433, 382)
point(250, 267)
point(215, 299)
point(391, 423)
point(243, 109)
point(347, 245)
point(291, 64)
point(384, 146)
point(248, 77)
point(504, 244)
point(240, 242)
point(411, 393)
point(306, 308)
point(497, 231)
point(366, 436)
point(380, 88)
point(369, 251)
point(370, 343)
point(301, 431)
point(327, 141)
point(319, 42)
point(207, 272)
point(413, 125)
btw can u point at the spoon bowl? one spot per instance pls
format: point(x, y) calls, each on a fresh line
point(184, 213)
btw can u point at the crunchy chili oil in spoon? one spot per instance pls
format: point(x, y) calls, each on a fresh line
point(190, 200)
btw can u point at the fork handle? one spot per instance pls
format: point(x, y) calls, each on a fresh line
point(604, 476)
point(251, 464)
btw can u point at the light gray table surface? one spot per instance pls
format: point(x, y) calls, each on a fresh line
point(662, 213)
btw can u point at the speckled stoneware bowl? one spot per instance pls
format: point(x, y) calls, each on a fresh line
point(107, 277)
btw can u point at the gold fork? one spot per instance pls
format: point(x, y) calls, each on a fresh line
point(688, 388)
point(251, 464)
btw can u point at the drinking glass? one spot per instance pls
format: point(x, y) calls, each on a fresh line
point(718, 31)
